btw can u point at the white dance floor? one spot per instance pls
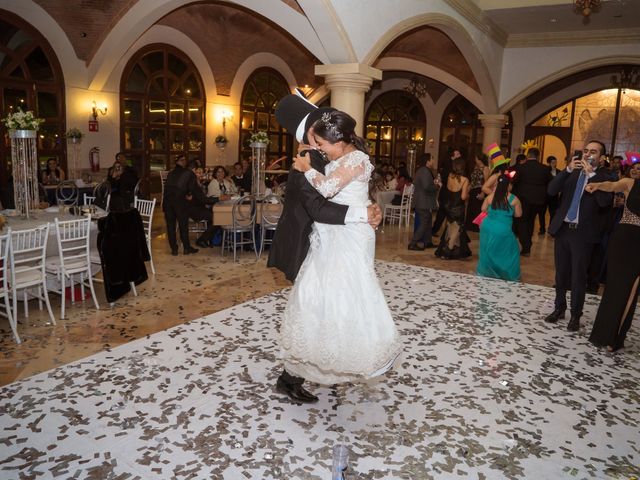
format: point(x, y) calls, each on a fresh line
point(485, 390)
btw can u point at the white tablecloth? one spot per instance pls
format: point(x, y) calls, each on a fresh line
point(384, 197)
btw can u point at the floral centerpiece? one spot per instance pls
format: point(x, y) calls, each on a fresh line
point(22, 120)
point(259, 137)
point(412, 146)
point(221, 141)
point(74, 134)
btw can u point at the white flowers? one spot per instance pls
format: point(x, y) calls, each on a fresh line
point(22, 121)
point(74, 133)
point(259, 137)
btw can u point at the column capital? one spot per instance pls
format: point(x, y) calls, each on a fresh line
point(497, 120)
point(349, 75)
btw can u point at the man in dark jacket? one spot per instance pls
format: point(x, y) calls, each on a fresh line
point(425, 195)
point(303, 206)
point(199, 208)
point(577, 226)
point(179, 184)
point(530, 183)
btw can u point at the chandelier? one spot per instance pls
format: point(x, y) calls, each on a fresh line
point(628, 78)
point(417, 88)
point(586, 7)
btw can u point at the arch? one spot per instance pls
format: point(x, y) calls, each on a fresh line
point(74, 70)
point(409, 65)
point(570, 70)
point(254, 62)
point(144, 14)
point(460, 37)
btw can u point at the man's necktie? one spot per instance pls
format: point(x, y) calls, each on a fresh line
point(572, 214)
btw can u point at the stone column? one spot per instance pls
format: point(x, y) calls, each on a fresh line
point(348, 83)
point(492, 124)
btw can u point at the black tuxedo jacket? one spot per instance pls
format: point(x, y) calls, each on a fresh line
point(303, 205)
point(593, 206)
point(530, 184)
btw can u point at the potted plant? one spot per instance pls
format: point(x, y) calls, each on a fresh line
point(74, 135)
point(22, 124)
point(259, 139)
point(221, 141)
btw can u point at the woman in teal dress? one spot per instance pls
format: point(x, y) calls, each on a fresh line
point(499, 250)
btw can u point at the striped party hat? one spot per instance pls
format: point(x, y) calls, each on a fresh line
point(495, 156)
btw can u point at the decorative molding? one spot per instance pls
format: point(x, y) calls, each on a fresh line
point(471, 12)
point(581, 37)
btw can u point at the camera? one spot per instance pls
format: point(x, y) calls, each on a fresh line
point(577, 154)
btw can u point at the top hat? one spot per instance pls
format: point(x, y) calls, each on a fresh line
point(495, 156)
point(297, 114)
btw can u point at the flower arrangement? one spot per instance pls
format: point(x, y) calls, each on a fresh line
point(74, 133)
point(259, 137)
point(221, 139)
point(21, 120)
point(412, 146)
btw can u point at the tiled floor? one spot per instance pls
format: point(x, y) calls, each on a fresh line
point(484, 390)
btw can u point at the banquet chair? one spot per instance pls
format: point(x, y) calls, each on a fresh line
point(73, 249)
point(146, 209)
point(88, 200)
point(102, 194)
point(4, 291)
point(399, 212)
point(242, 229)
point(269, 216)
point(163, 180)
point(27, 252)
point(67, 193)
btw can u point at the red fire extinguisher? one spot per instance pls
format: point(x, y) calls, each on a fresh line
point(94, 159)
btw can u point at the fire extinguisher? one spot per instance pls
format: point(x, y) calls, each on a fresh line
point(94, 159)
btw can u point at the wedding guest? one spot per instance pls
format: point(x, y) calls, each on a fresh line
point(221, 188)
point(425, 195)
point(123, 180)
point(479, 175)
point(620, 296)
point(499, 251)
point(552, 200)
point(454, 242)
point(53, 174)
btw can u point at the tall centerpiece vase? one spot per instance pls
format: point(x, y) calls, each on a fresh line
point(222, 158)
point(24, 166)
point(75, 157)
point(259, 151)
point(411, 160)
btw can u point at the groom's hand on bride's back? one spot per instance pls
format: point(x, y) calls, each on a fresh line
point(374, 215)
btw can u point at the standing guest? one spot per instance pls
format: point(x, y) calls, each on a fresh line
point(479, 175)
point(221, 188)
point(552, 200)
point(618, 304)
point(499, 252)
point(531, 179)
point(454, 242)
point(576, 227)
point(53, 174)
point(424, 193)
point(123, 180)
point(444, 170)
point(615, 167)
point(180, 182)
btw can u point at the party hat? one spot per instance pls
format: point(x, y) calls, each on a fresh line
point(495, 156)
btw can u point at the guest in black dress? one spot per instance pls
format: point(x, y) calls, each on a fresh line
point(620, 296)
point(479, 175)
point(454, 242)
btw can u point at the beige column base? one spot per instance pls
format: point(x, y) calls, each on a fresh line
point(348, 83)
point(492, 124)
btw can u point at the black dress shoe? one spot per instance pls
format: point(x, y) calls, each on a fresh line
point(174, 252)
point(415, 247)
point(202, 244)
point(190, 250)
point(554, 316)
point(295, 392)
point(574, 324)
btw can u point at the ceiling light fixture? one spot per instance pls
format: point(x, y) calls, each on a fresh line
point(586, 7)
point(417, 88)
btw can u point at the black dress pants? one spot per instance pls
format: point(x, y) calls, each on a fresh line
point(526, 224)
point(572, 256)
point(199, 213)
point(423, 232)
point(173, 215)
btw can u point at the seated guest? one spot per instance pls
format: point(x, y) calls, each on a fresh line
point(198, 208)
point(53, 174)
point(403, 180)
point(390, 182)
point(238, 175)
point(220, 187)
point(499, 250)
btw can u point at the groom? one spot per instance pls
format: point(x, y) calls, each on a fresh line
point(303, 206)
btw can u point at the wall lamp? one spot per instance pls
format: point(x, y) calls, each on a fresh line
point(95, 111)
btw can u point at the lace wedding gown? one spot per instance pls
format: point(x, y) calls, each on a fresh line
point(337, 326)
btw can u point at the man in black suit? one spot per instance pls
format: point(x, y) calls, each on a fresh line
point(179, 184)
point(530, 183)
point(577, 226)
point(303, 206)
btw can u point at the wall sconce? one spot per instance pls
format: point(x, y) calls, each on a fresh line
point(226, 115)
point(95, 111)
point(431, 142)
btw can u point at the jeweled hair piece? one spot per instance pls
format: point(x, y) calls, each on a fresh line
point(331, 126)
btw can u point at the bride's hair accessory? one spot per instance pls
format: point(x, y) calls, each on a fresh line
point(331, 126)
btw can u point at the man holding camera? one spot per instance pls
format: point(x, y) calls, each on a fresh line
point(577, 227)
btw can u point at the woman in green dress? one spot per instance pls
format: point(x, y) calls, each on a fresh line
point(499, 251)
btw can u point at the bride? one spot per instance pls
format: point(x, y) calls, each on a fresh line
point(337, 326)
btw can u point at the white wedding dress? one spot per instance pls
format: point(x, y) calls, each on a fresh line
point(337, 326)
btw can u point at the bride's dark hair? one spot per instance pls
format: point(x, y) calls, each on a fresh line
point(338, 126)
